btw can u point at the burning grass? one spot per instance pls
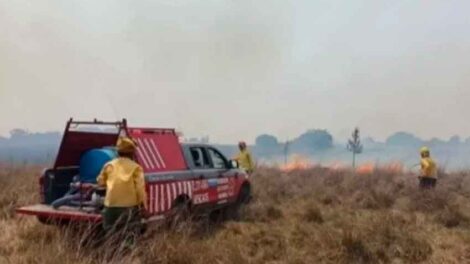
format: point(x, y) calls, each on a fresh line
point(298, 162)
point(317, 215)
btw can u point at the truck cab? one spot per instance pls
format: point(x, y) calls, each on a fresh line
point(197, 176)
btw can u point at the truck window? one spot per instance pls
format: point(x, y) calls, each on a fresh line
point(218, 160)
point(200, 159)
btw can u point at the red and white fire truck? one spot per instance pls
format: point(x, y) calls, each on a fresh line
point(195, 176)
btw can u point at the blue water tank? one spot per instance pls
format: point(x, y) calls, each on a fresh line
point(93, 161)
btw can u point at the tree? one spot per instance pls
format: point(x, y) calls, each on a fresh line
point(435, 142)
point(404, 139)
point(455, 141)
point(267, 145)
point(266, 141)
point(286, 151)
point(18, 133)
point(355, 145)
point(467, 141)
point(313, 140)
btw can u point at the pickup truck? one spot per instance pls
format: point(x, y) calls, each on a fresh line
point(196, 178)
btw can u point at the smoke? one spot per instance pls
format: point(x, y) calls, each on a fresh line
point(234, 69)
point(146, 60)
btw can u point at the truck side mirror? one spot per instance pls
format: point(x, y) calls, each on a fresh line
point(234, 164)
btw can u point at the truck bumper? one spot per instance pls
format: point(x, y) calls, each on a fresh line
point(64, 213)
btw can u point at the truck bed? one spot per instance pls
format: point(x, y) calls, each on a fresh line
point(64, 212)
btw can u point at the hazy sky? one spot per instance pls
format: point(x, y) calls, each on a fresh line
point(235, 69)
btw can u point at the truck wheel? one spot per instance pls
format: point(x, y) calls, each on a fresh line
point(179, 213)
point(245, 195)
point(232, 212)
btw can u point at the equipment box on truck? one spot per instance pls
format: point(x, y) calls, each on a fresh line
point(193, 177)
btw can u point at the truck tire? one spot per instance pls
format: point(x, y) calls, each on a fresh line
point(232, 212)
point(180, 212)
point(244, 196)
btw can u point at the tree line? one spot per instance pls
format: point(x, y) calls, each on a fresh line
point(22, 145)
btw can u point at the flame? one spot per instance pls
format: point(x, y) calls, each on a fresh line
point(302, 163)
point(392, 167)
point(298, 163)
point(366, 168)
point(336, 166)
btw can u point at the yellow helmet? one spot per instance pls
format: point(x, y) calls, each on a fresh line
point(126, 145)
point(425, 151)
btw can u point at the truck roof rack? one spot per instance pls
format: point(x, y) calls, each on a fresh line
point(122, 123)
point(144, 130)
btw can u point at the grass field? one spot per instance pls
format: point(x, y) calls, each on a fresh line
point(307, 216)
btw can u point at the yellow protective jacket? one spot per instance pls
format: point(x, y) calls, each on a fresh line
point(428, 168)
point(245, 160)
point(124, 182)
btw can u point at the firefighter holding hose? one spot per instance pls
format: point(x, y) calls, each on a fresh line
point(125, 190)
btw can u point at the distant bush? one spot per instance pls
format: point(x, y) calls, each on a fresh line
point(404, 139)
point(266, 141)
point(267, 145)
point(313, 141)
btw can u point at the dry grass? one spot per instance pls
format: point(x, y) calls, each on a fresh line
point(314, 216)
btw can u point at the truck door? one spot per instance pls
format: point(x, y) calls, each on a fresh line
point(223, 183)
point(202, 173)
point(214, 183)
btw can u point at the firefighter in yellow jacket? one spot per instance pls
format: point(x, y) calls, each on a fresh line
point(125, 189)
point(244, 158)
point(428, 177)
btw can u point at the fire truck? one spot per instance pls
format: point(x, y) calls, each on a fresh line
point(196, 178)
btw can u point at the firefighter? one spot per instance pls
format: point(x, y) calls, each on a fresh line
point(428, 177)
point(244, 158)
point(125, 196)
